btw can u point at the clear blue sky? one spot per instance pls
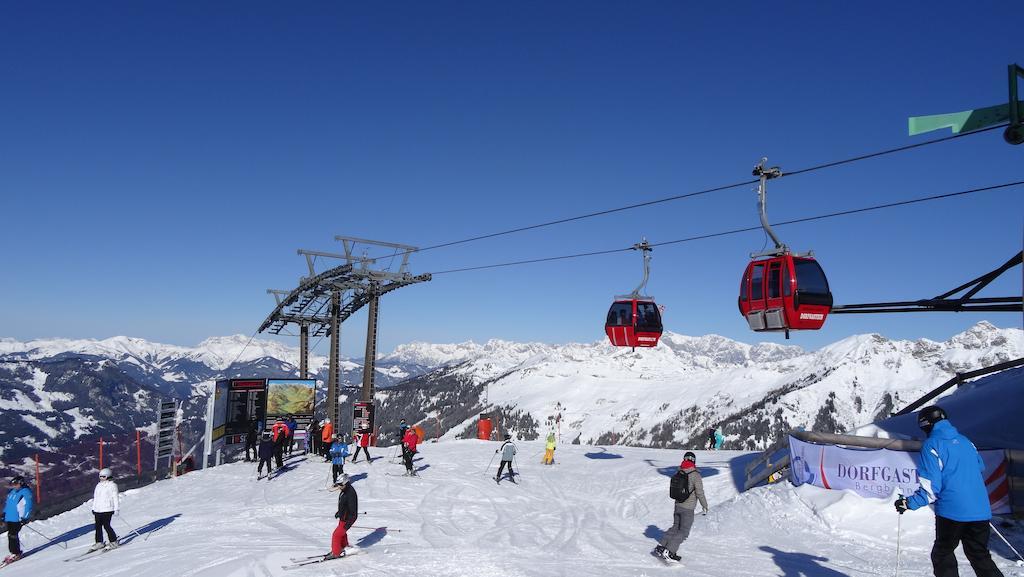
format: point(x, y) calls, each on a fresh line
point(161, 162)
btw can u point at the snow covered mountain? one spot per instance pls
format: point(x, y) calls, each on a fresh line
point(59, 396)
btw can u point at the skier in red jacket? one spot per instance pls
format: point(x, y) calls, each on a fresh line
point(409, 442)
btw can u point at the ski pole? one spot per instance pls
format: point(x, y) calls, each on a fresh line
point(899, 521)
point(516, 460)
point(137, 534)
point(1020, 560)
point(376, 528)
point(64, 545)
point(491, 462)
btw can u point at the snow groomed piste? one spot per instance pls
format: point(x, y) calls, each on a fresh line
point(597, 512)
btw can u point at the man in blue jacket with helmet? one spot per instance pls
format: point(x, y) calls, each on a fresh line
point(17, 511)
point(951, 474)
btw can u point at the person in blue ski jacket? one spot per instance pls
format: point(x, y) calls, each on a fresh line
point(292, 424)
point(952, 479)
point(17, 512)
point(338, 453)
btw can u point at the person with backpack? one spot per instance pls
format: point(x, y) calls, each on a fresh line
point(362, 444)
point(348, 512)
point(17, 512)
point(685, 488)
point(549, 450)
point(952, 478)
point(279, 432)
point(106, 502)
point(338, 453)
point(265, 453)
point(409, 443)
point(508, 452)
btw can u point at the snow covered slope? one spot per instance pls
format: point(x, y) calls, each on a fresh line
point(598, 513)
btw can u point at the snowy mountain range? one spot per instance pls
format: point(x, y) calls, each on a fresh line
point(59, 395)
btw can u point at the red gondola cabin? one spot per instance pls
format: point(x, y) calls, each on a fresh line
point(785, 293)
point(633, 322)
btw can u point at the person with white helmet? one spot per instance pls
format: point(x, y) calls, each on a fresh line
point(348, 512)
point(105, 504)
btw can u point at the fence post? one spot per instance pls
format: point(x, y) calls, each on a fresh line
point(38, 495)
point(101, 452)
point(138, 453)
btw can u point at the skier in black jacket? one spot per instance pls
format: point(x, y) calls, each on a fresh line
point(348, 512)
point(252, 437)
point(266, 454)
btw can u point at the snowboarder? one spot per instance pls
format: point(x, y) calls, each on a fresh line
point(719, 437)
point(265, 453)
point(292, 424)
point(348, 512)
point(711, 439)
point(363, 444)
point(280, 434)
point(549, 450)
point(409, 442)
point(105, 504)
point(251, 439)
point(951, 474)
point(326, 435)
point(508, 452)
point(338, 452)
point(17, 512)
point(685, 488)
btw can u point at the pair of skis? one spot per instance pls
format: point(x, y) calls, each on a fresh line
point(91, 553)
point(298, 562)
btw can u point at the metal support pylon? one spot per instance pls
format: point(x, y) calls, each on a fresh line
point(334, 373)
point(304, 351)
point(370, 359)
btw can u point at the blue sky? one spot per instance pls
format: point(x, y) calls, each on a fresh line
point(162, 162)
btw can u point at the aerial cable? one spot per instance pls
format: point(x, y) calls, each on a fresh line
point(705, 191)
point(741, 230)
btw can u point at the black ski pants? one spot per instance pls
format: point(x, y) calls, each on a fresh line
point(259, 468)
point(250, 443)
point(337, 470)
point(279, 453)
point(101, 523)
point(407, 456)
point(365, 450)
point(511, 473)
point(974, 537)
point(13, 543)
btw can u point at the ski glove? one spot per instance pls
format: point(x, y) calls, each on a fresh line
point(901, 505)
point(337, 515)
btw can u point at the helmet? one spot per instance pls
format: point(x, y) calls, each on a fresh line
point(17, 480)
point(690, 456)
point(928, 416)
point(106, 473)
point(339, 437)
point(508, 437)
point(342, 479)
point(327, 421)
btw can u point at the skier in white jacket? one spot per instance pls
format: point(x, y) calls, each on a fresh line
point(105, 503)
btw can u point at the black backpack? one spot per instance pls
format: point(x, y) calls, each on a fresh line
point(679, 487)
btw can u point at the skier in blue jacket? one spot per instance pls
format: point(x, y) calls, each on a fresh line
point(338, 453)
point(951, 474)
point(17, 512)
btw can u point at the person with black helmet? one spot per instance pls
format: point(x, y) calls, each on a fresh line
point(17, 512)
point(685, 488)
point(265, 453)
point(508, 452)
point(952, 479)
